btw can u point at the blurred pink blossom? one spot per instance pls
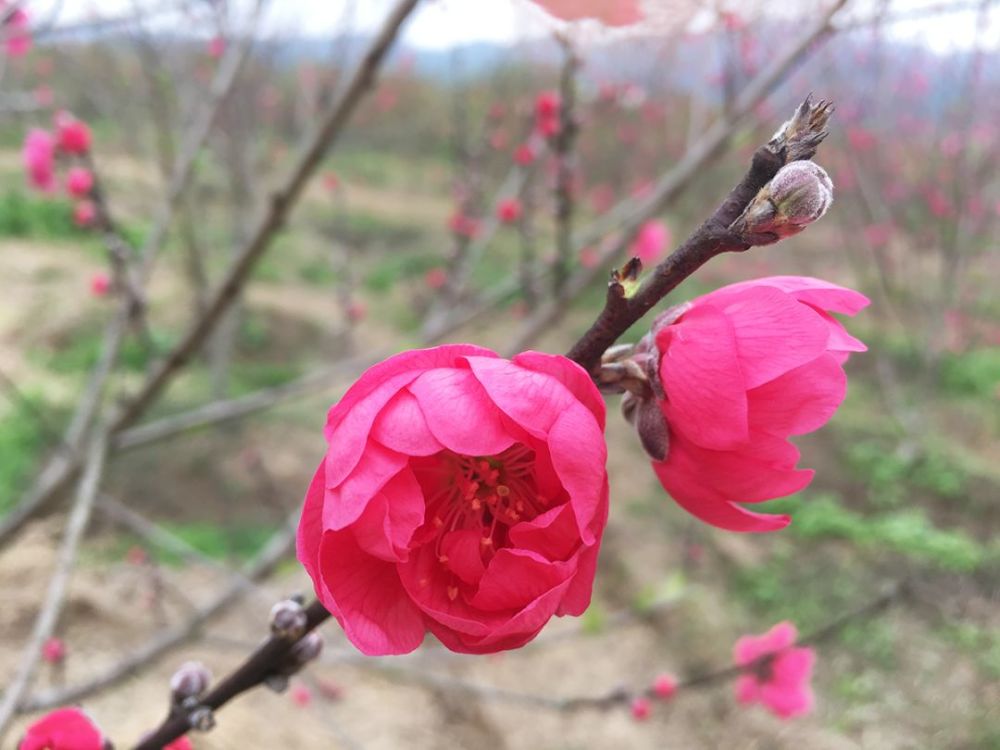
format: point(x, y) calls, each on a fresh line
point(79, 182)
point(778, 672)
point(608, 12)
point(38, 155)
point(650, 242)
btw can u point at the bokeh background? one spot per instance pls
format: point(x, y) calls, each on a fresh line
point(907, 472)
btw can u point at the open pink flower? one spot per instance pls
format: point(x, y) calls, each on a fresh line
point(79, 182)
point(63, 729)
point(778, 672)
point(650, 241)
point(461, 494)
point(72, 135)
point(608, 12)
point(742, 369)
point(38, 154)
point(509, 210)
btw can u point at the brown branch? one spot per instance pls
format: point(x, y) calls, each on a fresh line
point(273, 219)
point(562, 148)
point(263, 663)
point(629, 215)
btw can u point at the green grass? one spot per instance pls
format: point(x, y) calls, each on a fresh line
point(907, 532)
point(974, 373)
point(23, 438)
point(890, 476)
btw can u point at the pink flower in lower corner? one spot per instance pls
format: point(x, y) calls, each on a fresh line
point(741, 370)
point(63, 729)
point(461, 494)
point(778, 672)
point(608, 12)
point(38, 155)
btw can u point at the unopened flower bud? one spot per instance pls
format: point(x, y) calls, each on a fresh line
point(202, 719)
point(307, 649)
point(288, 619)
point(190, 680)
point(797, 196)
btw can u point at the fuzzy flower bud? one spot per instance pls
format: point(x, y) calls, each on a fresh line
point(190, 680)
point(798, 195)
point(307, 649)
point(288, 619)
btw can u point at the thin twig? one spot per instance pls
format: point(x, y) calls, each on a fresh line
point(562, 148)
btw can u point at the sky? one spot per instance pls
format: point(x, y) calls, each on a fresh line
point(441, 24)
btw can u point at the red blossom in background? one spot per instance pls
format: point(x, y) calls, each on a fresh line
point(509, 210)
point(16, 32)
point(100, 284)
point(640, 708)
point(38, 155)
point(524, 155)
point(778, 673)
point(608, 12)
point(72, 135)
point(464, 226)
point(650, 242)
point(436, 277)
point(63, 729)
point(79, 182)
point(547, 106)
point(461, 494)
point(664, 687)
point(53, 651)
point(301, 696)
point(181, 743)
point(742, 370)
point(216, 46)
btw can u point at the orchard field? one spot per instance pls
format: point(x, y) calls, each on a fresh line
point(482, 193)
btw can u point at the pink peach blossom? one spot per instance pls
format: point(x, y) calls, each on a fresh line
point(640, 708)
point(79, 182)
point(53, 650)
point(509, 210)
point(464, 226)
point(743, 369)
point(63, 729)
point(436, 277)
point(778, 672)
point(72, 135)
point(664, 686)
point(216, 46)
point(38, 154)
point(181, 743)
point(608, 12)
point(461, 494)
point(17, 33)
point(100, 284)
point(524, 155)
point(650, 242)
point(589, 257)
point(301, 696)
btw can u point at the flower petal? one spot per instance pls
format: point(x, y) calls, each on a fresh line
point(579, 455)
point(459, 413)
point(774, 333)
point(386, 526)
point(703, 379)
point(371, 604)
point(346, 501)
point(817, 292)
point(401, 426)
point(801, 400)
point(571, 375)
